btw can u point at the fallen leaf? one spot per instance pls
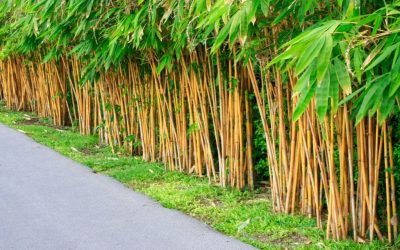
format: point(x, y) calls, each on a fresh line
point(243, 225)
point(360, 239)
point(74, 149)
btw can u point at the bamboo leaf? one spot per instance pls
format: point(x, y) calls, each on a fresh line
point(302, 82)
point(366, 103)
point(386, 108)
point(309, 55)
point(394, 86)
point(343, 77)
point(287, 54)
point(244, 23)
point(351, 96)
point(234, 29)
point(165, 61)
point(334, 88)
point(281, 16)
point(264, 4)
point(357, 64)
point(223, 34)
point(385, 53)
point(314, 32)
point(322, 96)
point(324, 58)
point(372, 98)
point(303, 102)
point(372, 55)
point(377, 24)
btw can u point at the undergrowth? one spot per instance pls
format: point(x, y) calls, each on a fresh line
point(244, 215)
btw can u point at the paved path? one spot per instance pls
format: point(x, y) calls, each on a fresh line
point(50, 202)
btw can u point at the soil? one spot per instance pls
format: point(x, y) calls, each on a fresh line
point(286, 241)
point(36, 121)
point(29, 121)
point(87, 151)
point(211, 202)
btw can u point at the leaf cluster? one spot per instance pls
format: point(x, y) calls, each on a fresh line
point(341, 51)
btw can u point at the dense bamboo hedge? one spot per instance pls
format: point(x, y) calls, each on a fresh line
point(196, 84)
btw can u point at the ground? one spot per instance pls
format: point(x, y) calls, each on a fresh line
point(244, 215)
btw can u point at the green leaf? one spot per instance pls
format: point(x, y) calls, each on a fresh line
point(302, 82)
point(244, 25)
point(264, 4)
point(376, 51)
point(366, 103)
point(234, 29)
point(89, 8)
point(324, 58)
point(222, 35)
point(343, 77)
point(309, 55)
point(348, 10)
point(334, 88)
point(322, 97)
point(357, 64)
point(303, 102)
point(394, 86)
point(377, 25)
point(386, 108)
point(281, 16)
point(385, 53)
point(372, 98)
point(377, 100)
point(313, 33)
point(287, 54)
point(165, 61)
point(351, 96)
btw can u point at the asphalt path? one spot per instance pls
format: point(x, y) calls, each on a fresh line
point(48, 201)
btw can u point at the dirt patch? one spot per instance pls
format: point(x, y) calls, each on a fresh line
point(181, 187)
point(29, 121)
point(211, 202)
point(59, 128)
point(289, 241)
point(265, 195)
point(257, 198)
point(139, 186)
point(88, 151)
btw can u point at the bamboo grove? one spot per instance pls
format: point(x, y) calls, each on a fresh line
point(186, 83)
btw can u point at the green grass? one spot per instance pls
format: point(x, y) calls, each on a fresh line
point(243, 215)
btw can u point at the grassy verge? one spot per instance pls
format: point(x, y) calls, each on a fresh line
point(243, 215)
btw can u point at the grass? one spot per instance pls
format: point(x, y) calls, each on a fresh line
point(244, 215)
